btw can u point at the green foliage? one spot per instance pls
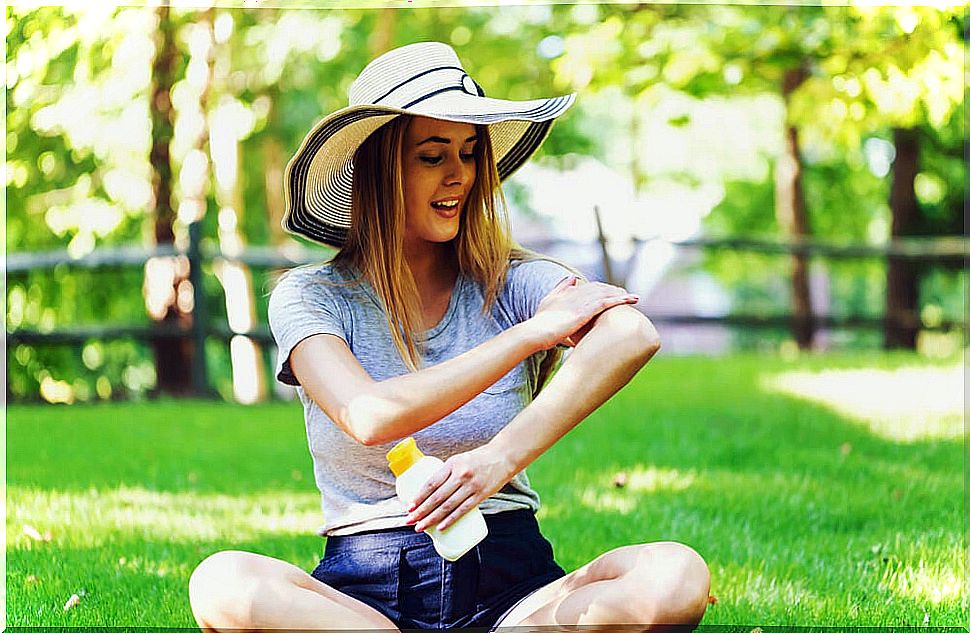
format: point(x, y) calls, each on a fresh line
point(941, 183)
point(78, 124)
point(747, 209)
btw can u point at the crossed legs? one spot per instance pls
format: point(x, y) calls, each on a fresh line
point(644, 587)
point(240, 591)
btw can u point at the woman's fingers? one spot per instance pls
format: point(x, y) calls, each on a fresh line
point(576, 336)
point(602, 297)
point(462, 488)
point(458, 513)
point(449, 511)
point(438, 498)
point(451, 495)
point(465, 480)
point(435, 491)
point(572, 305)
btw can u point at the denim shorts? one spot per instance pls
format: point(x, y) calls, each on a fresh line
point(398, 572)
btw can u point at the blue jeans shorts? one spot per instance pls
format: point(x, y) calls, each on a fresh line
point(398, 572)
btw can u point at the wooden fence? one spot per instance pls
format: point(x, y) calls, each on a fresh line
point(947, 250)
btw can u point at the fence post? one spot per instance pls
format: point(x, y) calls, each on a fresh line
point(200, 374)
point(601, 236)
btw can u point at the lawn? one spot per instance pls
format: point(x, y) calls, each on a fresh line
point(823, 490)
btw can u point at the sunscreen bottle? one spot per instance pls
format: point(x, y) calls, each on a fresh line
point(412, 468)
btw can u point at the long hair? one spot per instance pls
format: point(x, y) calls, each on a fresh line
point(374, 246)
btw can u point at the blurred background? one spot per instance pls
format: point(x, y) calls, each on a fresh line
point(775, 179)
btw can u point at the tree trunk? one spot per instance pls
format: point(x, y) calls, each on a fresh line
point(163, 279)
point(902, 284)
point(383, 36)
point(792, 216)
point(274, 162)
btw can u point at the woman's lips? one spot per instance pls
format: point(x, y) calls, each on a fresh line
point(447, 212)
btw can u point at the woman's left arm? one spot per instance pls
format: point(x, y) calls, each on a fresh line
point(619, 343)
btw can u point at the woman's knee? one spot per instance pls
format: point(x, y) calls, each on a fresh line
point(222, 589)
point(679, 580)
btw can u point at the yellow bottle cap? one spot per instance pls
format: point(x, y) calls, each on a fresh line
point(404, 455)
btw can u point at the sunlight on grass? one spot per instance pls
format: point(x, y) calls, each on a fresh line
point(91, 517)
point(904, 405)
point(755, 586)
point(622, 493)
point(924, 582)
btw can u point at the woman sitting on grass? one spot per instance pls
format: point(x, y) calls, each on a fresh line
point(430, 322)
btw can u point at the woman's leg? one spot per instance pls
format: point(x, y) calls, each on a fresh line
point(647, 586)
point(241, 591)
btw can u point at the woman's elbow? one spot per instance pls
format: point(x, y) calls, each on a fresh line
point(365, 419)
point(649, 339)
point(644, 341)
point(633, 332)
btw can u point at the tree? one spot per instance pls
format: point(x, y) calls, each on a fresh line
point(842, 73)
point(78, 177)
point(900, 75)
point(166, 278)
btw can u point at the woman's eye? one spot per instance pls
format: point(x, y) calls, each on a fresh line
point(430, 160)
point(468, 157)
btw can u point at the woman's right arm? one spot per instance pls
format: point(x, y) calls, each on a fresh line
point(377, 412)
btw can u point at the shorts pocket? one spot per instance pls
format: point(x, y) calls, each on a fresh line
point(368, 575)
point(419, 571)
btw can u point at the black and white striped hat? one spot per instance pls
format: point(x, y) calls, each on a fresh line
point(423, 79)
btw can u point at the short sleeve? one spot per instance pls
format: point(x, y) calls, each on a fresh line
point(529, 282)
point(301, 306)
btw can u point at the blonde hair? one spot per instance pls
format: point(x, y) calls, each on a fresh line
point(483, 247)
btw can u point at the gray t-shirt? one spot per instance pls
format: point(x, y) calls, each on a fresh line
point(355, 483)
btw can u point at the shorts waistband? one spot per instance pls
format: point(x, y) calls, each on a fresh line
point(500, 522)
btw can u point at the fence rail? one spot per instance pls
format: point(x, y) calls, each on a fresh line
point(81, 334)
point(946, 250)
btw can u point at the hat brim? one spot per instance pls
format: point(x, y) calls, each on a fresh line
point(319, 177)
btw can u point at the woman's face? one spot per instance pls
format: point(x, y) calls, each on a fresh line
point(439, 167)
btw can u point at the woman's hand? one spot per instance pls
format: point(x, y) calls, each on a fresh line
point(465, 480)
point(571, 306)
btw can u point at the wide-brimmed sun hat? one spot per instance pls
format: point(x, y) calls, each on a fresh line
point(423, 79)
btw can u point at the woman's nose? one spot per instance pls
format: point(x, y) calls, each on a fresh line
point(458, 171)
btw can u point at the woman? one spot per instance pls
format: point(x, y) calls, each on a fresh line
point(431, 323)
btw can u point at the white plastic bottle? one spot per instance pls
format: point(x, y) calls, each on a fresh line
point(412, 468)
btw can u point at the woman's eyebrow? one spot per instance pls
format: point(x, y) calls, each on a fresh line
point(441, 139)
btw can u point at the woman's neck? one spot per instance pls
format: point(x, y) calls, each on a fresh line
point(434, 267)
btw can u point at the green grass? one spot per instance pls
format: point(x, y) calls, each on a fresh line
point(806, 514)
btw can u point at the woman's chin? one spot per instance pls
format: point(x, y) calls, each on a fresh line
point(447, 234)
